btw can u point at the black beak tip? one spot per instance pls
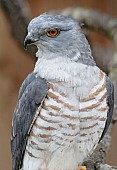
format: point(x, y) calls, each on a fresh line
point(27, 42)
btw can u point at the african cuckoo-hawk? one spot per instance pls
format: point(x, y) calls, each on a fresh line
point(65, 105)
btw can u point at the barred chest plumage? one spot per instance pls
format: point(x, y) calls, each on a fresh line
point(68, 126)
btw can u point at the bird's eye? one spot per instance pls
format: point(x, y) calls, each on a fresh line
point(53, 32)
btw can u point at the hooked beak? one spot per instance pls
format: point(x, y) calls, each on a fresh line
point(28, 41)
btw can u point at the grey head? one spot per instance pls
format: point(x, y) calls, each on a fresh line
point(59, 36)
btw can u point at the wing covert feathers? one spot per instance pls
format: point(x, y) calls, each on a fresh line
point(31, 96)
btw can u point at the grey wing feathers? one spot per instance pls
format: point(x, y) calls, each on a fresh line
point(26, 82)
point(32, 92)
point(110, 102)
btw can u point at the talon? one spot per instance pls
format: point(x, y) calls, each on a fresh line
point(82, 168)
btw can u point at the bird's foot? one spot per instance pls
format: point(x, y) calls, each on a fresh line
point(82, 168)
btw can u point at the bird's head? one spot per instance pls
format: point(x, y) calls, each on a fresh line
point(57, 35)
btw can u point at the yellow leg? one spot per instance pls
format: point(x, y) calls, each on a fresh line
point(82, 168)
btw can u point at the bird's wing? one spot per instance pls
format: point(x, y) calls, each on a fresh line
point(110, 102)
point(31, 96)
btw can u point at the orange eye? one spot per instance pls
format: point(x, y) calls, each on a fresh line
point(53, 32)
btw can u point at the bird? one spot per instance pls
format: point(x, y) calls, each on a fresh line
point(65, 105)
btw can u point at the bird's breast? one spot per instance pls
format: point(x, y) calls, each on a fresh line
point(58, 121)
point(68, 125)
